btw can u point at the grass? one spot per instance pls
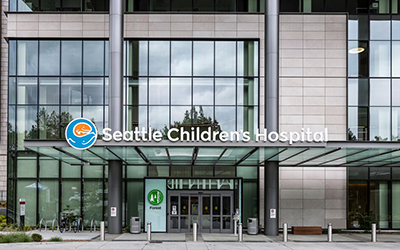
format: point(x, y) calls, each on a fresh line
point(15, 238)
point(55, 239)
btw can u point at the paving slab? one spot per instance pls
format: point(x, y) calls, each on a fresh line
point(163, 237)
point(142, 245)
point(234, 238)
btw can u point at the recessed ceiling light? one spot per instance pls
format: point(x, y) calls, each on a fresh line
point(356, 50)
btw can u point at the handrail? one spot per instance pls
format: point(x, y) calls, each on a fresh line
point(40, 224)
point(52, 225)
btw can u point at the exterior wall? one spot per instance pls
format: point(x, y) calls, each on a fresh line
point(4, 99)
point(312, 92)
point(313, 62)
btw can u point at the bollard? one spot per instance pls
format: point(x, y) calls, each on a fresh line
point(330, 232)
point(148, 231)
point(102, 231)
point(240, 233)
point(194, 232)
point(235, 227)
point(285, 235)
point(373, 232)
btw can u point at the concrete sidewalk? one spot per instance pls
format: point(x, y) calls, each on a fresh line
point(140, 245)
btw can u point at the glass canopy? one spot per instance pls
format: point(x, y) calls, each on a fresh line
point(331, 154)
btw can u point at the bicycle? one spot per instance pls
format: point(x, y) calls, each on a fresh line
point(76, 224)
point(64, 224)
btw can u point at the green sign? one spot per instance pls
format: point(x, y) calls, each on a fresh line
point(155, 197)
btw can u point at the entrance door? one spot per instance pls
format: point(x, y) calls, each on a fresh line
point(211, 210)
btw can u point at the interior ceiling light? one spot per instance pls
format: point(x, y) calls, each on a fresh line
point(356, 50)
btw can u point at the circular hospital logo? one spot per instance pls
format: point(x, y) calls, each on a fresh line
point(155, 197)
point(81, 133)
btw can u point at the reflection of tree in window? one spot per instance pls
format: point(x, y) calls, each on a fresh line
point(200, 120)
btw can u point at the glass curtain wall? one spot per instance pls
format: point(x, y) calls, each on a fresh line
point(373, 195)
point(57, 5)
point(183, 84)
point(206, 84)
point(350, 6)
point(137, 5)
point(373, 89)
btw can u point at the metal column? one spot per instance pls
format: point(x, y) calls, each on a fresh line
point(271, 74)
point(115, 112)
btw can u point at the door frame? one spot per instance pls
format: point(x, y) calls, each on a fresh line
point(200, 194)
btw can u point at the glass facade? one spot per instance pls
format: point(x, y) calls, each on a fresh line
point(374, 195)
point(206, 84)
point(138, 5)
point(349, 6)
point(373, 85)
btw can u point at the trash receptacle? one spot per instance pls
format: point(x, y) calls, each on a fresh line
point(135, 225)
point(252, 226)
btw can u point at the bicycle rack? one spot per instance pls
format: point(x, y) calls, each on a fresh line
point(40, 224)
point(52, 225)
point(92, 225)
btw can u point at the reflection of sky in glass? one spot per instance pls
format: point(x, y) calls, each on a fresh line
point(49, 90)
point(178, 114)
point(159, 58)
point(225, 58)
point(27, 90)
point(203, 58)
point(93, 58)
point(71, 91)
point(71, 57)
point(396, 123)
point(380, 92)
point(92, 90)
point(225, 116)
point(396, 29)
point(225, 91)
point(203, 91)
point(379, 123)
point(396, 59)
point(181, 58)
point(181, 91)
point(159, 90)
point(27, 57)
point(353, 120)
point(49, 58)
point(380, 30)
point(395, 92)
point(158, 117)
point(95, 114)
point(379, 58)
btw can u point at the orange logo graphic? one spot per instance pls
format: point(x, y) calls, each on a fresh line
point(82, 129)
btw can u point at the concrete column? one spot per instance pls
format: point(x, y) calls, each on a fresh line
point(271, 171)
point(115, 112)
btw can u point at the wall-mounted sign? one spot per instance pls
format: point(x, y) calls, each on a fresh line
point(113, 212)
point(174, 211)
point(155, 204)
point(196, 134)
point(272, 213)
point(155, 197)
point(81, 134)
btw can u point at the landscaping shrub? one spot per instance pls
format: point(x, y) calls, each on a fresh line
point(55, 239)
point(36, 237)
point(15, 238)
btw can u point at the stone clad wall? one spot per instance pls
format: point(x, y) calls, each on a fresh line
point(313, 63)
